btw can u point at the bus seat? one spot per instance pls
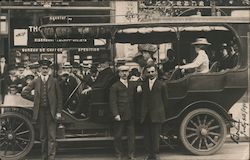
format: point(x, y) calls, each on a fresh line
point(214, 67)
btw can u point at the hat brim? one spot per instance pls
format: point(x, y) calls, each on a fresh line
point(201, 43)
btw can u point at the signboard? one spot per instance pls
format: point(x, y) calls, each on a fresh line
point(24, 28)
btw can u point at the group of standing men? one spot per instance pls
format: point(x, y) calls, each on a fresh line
point(152, 111)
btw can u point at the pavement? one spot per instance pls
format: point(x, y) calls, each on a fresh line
point(230, 151)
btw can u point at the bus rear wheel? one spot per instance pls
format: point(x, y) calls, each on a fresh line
point(203, 131)
point(16, 136)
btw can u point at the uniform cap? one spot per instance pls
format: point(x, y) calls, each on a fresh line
point(45, 62)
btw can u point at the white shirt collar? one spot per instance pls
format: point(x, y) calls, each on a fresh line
point(151, 83)
point(152, 80)
point(125, 82)
point(46, 77)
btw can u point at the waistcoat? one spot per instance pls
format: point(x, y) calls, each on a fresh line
point(44, 101)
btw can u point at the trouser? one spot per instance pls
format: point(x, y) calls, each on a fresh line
point(47, 133)
point(119, 128)
point(151, 136)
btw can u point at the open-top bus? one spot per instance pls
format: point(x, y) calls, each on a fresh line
point(197, 103)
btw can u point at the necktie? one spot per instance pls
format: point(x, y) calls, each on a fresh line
point(44, 79)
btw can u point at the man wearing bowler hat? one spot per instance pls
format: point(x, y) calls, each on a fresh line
point(47, 107)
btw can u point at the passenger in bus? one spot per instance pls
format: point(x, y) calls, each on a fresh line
point(13, 90)
point(81, 111)
point(229, 57)
point(134, 74)
point(147, 50)
point(121, 102)
point(145, 57)
point(201, 62)
point(76, 73)
point(86, 64)
point(171, 62)
point(169, 65)
point(28, 79)
point(12, 79)
point(68, 83)
point(105, 78)
point(20, 71)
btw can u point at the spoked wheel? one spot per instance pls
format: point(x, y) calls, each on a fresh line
point(16, 136)
point(203, 131)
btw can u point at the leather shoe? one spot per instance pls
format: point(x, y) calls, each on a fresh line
point(118, 157)
point(131, 157)
point(148, 157)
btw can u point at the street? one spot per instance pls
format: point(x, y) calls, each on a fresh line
point(230, 151)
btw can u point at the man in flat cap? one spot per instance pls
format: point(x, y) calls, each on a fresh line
point(47, 107)
point(122, 108)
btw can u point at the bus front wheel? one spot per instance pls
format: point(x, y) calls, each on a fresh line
point(16, 136)
point(203, 131)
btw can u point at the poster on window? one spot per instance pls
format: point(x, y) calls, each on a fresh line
point(20, 37)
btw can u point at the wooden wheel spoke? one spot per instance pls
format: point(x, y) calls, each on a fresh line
point(205, 120)
point(22, 139)
point(214, 127)
point(210, 122)
point(191, 135)
point(18, 127)
point(214, 133)
point(196, 138)
point(1, 144)
point(2, 138)
point(199, 120)
point(18, 145)
point(191, 129)
point(6, 148)
point(200, 142)
point(21, 133)
point(211, 140)
point(206, 144)
point(194, 123)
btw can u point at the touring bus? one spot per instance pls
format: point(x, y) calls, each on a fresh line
point(197, 103)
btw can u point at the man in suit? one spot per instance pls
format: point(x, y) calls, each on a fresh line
point(47, 107)
point(3, 73)
point(122, 108)
point(152, 111)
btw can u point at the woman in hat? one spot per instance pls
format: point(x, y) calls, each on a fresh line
point(201, 62)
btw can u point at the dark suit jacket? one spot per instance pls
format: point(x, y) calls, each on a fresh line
point(121, 100)
point(54, 95)
point(104, 79)
point(5, 71)
point(153, 102)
